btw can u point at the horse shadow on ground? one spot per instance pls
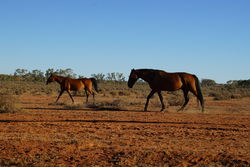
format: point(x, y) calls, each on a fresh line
point(78, 109)
point(85, 109)
point(99, 121)
point(187, 125)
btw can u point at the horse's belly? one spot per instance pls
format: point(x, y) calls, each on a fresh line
point(170, 84)
point(77, 87)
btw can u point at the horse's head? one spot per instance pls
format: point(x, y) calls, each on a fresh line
point(50, 79)
point(133, 77)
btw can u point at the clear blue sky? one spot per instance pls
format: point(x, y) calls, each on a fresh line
point(210, 38)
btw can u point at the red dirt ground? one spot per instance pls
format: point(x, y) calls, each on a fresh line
point(52, 135)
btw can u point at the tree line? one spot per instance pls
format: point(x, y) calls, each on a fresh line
point(230, 83)
point(38, 75)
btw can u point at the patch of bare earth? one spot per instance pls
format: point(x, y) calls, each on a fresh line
point(47, 134)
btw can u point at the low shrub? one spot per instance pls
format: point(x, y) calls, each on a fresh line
point(9, 104)
point(123, 93)
point(175, 100)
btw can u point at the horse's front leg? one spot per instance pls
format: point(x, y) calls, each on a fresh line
point(149, 96)
point(70, 95)
point(60, 94)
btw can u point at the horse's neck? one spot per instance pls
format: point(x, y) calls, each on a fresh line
point(59, 79)
point(146, 76)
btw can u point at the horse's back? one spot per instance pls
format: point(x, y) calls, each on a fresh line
point(186, 76)
point(168, 81)
point(176, 80)
point(86, 81)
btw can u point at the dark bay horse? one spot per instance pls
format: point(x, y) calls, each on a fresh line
point(67, 84)
point(159, 80)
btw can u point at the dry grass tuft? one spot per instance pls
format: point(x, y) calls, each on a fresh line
point(73, 106)
point(115, 105)
point(173, 98)
point(8, 104)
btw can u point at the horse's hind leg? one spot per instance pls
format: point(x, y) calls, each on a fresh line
point(161, 99)
point(185, 92)
point(87, 96)
point(199, 99)
point(93, 93)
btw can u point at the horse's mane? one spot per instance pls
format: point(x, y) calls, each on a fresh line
point(147, 69)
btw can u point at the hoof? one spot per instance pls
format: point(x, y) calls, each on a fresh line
point(181, 109)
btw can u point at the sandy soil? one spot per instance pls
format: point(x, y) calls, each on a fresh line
point(52, 135)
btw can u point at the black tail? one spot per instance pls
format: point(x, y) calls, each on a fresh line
point(94, 81)
point(199, 93)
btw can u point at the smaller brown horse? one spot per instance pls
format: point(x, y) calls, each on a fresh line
point(67, 84)
point(159, 80)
